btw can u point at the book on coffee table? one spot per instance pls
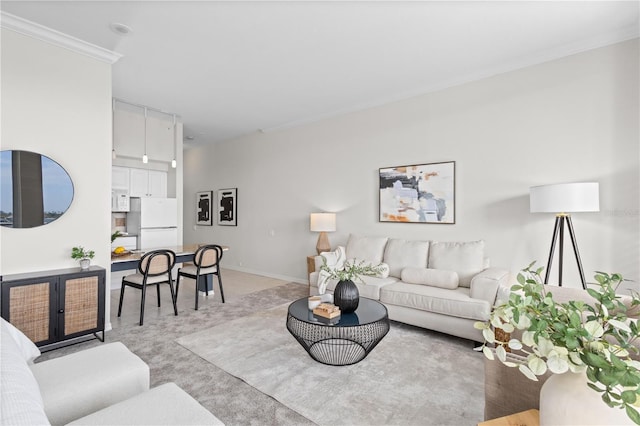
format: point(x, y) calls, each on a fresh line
point(326, 310)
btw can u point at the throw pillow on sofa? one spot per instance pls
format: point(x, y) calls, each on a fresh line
point(466, 258)
point(20, 398)
point(27, 348)
point(431, 277)
point(335, 261)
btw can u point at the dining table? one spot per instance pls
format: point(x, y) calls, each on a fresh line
point(184, 253)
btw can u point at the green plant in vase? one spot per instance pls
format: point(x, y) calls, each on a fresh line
point(346, 295)
point(352, 271)
point(84, 256)
point(574, 336)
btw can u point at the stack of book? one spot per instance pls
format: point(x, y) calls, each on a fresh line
point(326, 312)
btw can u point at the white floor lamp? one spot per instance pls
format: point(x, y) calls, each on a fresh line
point(562, 199)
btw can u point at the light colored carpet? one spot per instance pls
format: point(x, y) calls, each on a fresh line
point(413, 377)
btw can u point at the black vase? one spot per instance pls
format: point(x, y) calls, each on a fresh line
point(346, 296)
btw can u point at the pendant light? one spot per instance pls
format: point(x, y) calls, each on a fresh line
point(174, 163)
point(145, 159)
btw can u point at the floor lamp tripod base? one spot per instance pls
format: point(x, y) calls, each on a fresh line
point(558, 234)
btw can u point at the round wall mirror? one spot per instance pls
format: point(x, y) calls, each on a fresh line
point(34, 189)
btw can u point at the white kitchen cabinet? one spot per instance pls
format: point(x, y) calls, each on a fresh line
point(147, 183)
point(157, 184)
point(129, 133)
point(160, 139)
point(120, 178)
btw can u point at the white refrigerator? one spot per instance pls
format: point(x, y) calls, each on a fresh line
point(154, 221)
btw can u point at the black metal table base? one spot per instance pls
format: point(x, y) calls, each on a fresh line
point(337, 344)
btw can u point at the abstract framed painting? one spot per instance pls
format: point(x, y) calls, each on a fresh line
point(228, 207)
point(420, 193)
point(204, 203)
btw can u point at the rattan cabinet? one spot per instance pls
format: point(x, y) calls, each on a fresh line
point(53, 307)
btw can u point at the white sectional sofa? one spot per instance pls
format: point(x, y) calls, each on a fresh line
point(442, 286)
point(103, 385)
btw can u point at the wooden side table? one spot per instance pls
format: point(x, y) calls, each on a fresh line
point(311, 265)
point(523, 418)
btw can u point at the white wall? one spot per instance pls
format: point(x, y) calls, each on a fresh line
point(569, 120)
point(58, 103)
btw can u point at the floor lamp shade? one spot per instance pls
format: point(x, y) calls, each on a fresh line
point(322, 223)
point(562, 199)
point(565, 198)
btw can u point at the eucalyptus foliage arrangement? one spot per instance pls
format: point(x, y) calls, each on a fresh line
point(573, 336)
point(352, 271)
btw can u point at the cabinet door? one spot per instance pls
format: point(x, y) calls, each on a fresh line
point(119, 178)
point(30, 305)
point(139, 183)
point(157, 184)
point(81, 304)
point(128, 131)
point(160, 137)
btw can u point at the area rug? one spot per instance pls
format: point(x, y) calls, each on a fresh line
point(412, 377)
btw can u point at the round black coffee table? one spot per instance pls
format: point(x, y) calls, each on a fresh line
point(341, 341)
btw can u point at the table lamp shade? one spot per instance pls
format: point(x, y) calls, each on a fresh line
point(565, 198)
point(322, 222)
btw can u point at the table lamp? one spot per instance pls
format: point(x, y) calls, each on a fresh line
point(322, 223)
point(562, 199)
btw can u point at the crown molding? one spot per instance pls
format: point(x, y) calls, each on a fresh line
point(40, 32)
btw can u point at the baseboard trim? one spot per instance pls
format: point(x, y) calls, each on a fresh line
point(296, 280)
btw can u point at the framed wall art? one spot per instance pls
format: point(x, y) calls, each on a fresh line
point(228, 206)
point(422, 193)
point(204, 204)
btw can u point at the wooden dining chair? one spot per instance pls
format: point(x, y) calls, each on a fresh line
point(206, 261)
point(154, 268)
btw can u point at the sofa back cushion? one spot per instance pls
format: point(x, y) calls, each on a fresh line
point(20, 398)
point(431, 277)
point(399, 254)
point(368, 248)
point(465, 258)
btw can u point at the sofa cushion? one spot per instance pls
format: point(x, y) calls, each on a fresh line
point(20, 399)
point(433, 277)
point(166, 404)
point(370, 248)
point(455, 303)
point(83, 382)
point(27, 348)
point(399, 254)
point(466, 258)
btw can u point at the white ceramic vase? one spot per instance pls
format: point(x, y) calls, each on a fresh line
point(85, 263)
point(565, 399)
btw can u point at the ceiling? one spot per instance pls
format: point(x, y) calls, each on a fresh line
point(230, 68)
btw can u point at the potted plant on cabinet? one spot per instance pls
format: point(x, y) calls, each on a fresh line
point(84, 256)
point(587, 343)
point(346, 295)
